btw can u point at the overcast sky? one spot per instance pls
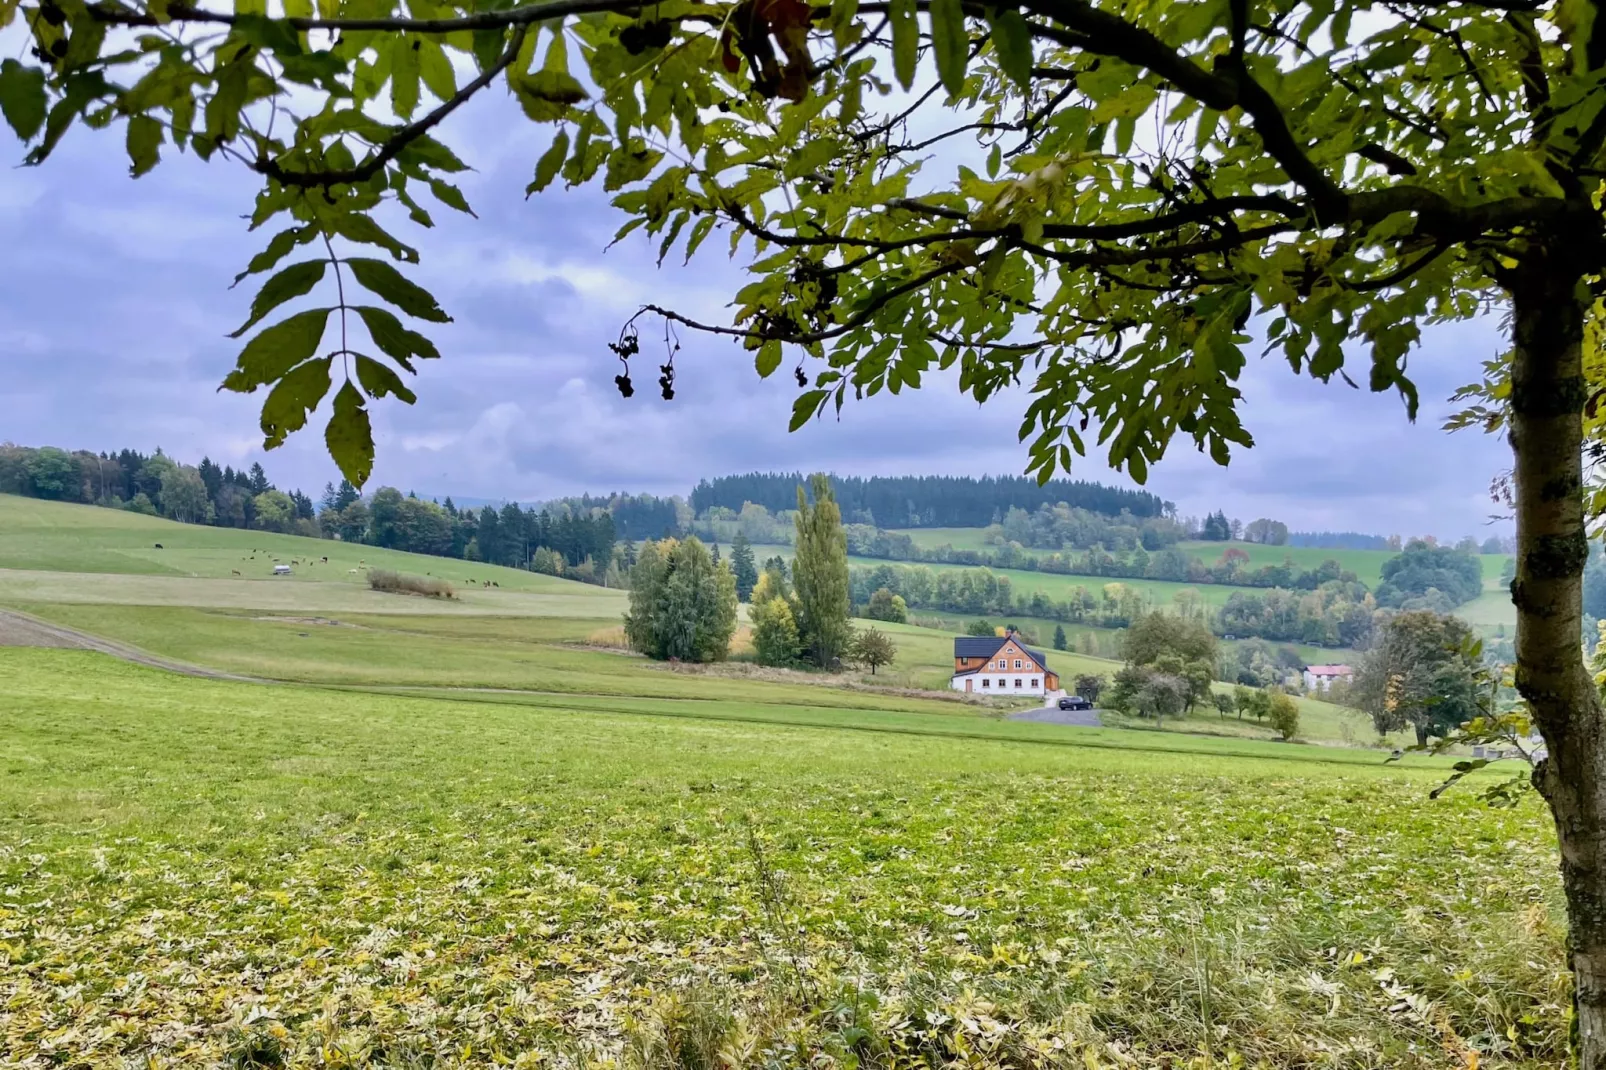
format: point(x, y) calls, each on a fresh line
point(117, 306)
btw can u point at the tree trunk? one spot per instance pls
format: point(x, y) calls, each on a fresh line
point(1547, 399)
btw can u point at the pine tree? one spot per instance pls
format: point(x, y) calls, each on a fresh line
point(1059, 637)
point(743, 566)
point(820, 575)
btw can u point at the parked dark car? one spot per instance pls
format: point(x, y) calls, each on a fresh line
point(1075, 702)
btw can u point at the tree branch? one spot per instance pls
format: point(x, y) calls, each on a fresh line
point(114, 14)
point(857, 320)
point(404, 137)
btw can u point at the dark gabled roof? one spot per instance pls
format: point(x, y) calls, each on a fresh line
point(985, 646)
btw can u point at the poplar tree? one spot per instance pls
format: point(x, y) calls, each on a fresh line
point(820, 575)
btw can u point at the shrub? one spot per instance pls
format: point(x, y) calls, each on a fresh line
point(1284, 714)
point(382, 579)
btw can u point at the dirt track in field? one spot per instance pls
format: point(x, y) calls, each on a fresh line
point(24, 629)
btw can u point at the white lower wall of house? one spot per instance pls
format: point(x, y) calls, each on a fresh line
point(1002, 683)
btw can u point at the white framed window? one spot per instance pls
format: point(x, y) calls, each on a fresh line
point(986, 682)
point(1017, 663)
point(1034, 681)
point(1018, 681)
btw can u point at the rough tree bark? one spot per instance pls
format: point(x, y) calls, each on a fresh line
point(1547, 401)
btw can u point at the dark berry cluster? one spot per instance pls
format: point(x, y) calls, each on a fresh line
point(666, 380)
point(639, 37)
point(626, 347)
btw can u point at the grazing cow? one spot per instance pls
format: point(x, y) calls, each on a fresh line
point(235, 571)
point(495, 584)
point(158, 546)
point(326, 560)
point(351, 571)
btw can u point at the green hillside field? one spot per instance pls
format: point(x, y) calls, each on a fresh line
point(1492, 611)
point(246, 875)
point(536, 633)
point(476, 832)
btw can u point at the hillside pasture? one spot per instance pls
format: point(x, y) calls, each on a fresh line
point(44, 536)
point(255, 876)
point(531, 633)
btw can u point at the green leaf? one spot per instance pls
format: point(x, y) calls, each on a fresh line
point(144, 141)
point(272, 353)
point(547, 95)
point(450, 196)
point(292, 282)
point(842, 15)
point(278, 248)
point(905, 41)
point(436, 69)
point(391, 285)
point(1012, 40)
point(546, 168)
point(629, 163)
point(428, 152)
point(349, 436)
point(22, 98)
point(286, 409)
point(271, 35)
point(950, 41)
point(806, 405)
point(488, 46)
point(359, 228)
point(404, 76)
point(379, 381)
point(395, 340)
point(768, 358)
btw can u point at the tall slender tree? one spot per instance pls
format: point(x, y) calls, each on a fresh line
point(743, 566)
point(820, 575)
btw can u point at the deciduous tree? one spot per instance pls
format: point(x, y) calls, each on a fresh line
point(873, 648)
point(682, 604)
point(775, 639)
point(1421, 674)
point(820, 575)
point(884, 605)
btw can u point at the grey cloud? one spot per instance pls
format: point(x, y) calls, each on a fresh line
point(118, 303)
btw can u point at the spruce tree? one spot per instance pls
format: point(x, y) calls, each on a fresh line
point(743, 567)
point(820, 575)
point(1059, 637)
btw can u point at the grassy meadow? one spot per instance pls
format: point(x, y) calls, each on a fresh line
point(475, 832)
point(203, 873)
point(1366, 564)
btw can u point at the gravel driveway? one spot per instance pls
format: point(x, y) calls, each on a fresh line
point(1054, 715)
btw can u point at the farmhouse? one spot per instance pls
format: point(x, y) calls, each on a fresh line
point(991, 665)
point(1322, 677)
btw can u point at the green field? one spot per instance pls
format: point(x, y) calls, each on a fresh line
point(1492, 611)
point(1366, 564)
point(474, 832)
point(203, 872)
